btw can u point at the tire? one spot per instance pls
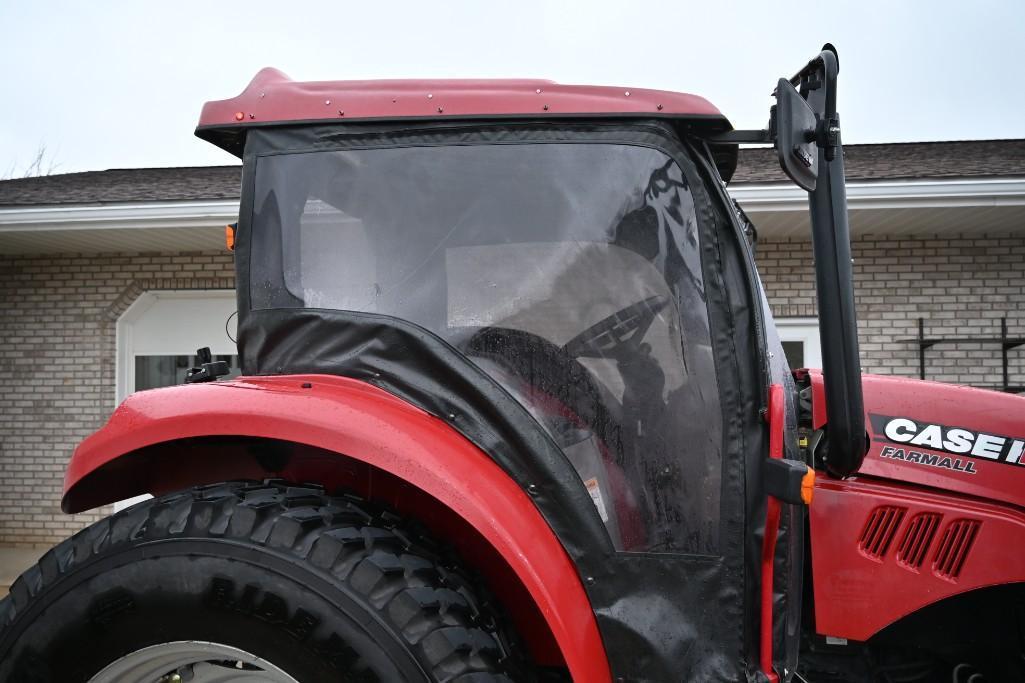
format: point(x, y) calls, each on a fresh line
point(323, 588)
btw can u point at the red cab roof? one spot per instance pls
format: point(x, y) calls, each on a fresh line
point(274, 98)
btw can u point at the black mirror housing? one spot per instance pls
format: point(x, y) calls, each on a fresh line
point(796, 145)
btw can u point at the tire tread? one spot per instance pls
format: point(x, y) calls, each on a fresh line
point(393, 569)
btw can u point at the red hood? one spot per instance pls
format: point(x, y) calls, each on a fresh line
point(945, 436)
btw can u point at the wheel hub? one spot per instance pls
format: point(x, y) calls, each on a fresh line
point(191, 661)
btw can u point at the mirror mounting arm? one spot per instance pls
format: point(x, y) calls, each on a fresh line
point(829, 135)
point(846, 437)
point(738, 137)
point(804, 128)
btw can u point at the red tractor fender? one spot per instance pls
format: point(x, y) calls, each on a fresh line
point(352, 434)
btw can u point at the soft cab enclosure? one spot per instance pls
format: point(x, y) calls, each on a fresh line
point(549, 290)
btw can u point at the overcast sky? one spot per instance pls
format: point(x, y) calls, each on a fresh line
point(120, 84)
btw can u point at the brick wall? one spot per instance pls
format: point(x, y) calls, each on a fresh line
point(57, 338)
point(57, 360)
point(959, 286)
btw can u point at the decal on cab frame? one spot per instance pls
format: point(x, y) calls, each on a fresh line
point(595, 491)
point(962, 445)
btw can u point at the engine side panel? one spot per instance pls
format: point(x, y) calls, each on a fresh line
point(883, 550)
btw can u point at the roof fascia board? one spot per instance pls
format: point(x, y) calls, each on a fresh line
point(143, 215)
point(754, 197)
point(889, 194)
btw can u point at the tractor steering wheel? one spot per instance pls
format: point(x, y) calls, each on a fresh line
point(623, 330)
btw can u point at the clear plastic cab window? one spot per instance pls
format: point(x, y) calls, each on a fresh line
point(570, 273)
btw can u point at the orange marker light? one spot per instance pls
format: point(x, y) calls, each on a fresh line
point(229, 235)
point(808, 486)
point(239, 115)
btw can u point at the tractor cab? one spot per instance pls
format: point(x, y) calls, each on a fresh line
point(558, 274)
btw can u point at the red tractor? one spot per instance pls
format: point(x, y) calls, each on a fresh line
point(514, 409)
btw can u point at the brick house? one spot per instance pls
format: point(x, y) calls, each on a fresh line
point(110, 280)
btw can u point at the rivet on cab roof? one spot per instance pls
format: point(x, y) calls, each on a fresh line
point(659, 107)
point(327, 102)
point(627, 93)
point(252, 116)
point(440, 110)
point(430, 96)
point(546, 107)
point(263, 94)
point(538, 91)
point(341, 112)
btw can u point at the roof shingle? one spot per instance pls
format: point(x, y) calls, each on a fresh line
point(891, 161)
point(902, 161)
point(122, 185)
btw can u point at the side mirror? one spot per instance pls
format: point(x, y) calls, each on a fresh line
point(795, 136)
point(812, 157)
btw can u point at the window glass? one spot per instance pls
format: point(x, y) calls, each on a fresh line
point(152, 372)
point(800, 337)
point(570, 273)
point(794, 351)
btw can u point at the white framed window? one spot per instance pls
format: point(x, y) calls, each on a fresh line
point(800, 337)
point(158, 335)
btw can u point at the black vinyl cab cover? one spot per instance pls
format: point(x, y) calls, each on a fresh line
point(545, 289)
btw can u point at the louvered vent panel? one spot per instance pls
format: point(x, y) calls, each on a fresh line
point(880, 528)
point(954, 547)
point(914, 546)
